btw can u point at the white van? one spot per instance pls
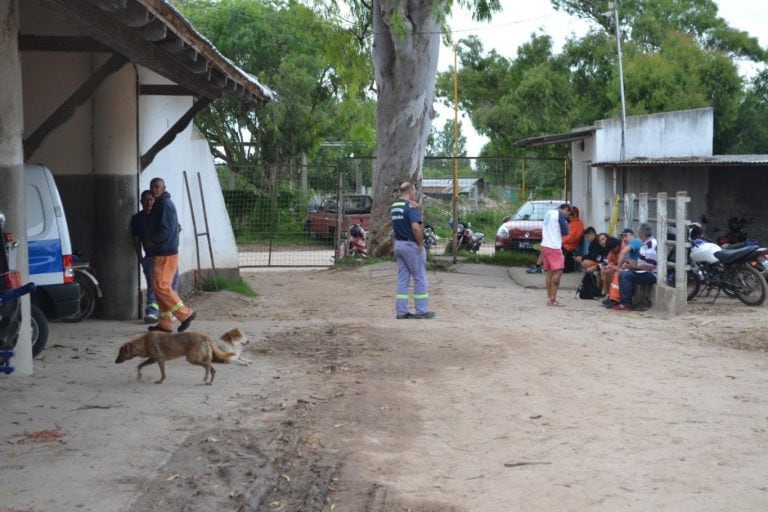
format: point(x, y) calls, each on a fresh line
point(56, 295)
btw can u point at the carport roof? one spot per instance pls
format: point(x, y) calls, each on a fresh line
point(690, 161)
point(154, 34)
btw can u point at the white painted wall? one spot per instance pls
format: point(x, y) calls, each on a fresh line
point(684, 133)
point(668, 134)
point(188, 152)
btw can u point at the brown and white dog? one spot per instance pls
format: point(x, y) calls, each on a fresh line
point(159, 347)
point(232, 342)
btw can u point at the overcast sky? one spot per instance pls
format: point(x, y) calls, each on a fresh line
point(513, 26)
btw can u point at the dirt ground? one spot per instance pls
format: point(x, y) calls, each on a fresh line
point(500, 403)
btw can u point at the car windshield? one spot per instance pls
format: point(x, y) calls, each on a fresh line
point(357, 204)
point(352, 204)
point(533, 211)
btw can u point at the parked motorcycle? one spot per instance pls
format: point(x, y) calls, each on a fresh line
point(736, 233)
point(90, 290)
point(356, 241)
point(728, 270)
point(468, 240)
point(430, 237)
point(11, 290)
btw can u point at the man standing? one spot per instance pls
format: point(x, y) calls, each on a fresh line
point(138, 228)
point(552, 232)
point(161, 241)
point(640, 271)
point(410, 255)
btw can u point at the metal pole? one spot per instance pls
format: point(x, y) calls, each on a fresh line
point(207, 229)
point(621, 82)
point(194, 230)
point(454, 236)
point(339, 213)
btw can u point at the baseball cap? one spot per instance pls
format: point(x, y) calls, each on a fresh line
point(635, 244)
point(627, 230)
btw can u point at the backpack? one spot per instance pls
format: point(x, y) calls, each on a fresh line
point(588, 287)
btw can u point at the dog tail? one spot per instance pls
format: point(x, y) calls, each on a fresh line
point(220, 356)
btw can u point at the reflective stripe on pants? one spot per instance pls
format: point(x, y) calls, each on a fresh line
point(411, 263)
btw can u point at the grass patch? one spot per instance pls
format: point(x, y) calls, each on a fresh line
point(216, 284)
point(504, 259)
point(353, 261)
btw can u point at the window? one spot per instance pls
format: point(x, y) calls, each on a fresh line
point(35, 214)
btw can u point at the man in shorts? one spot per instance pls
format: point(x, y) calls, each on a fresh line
point(555, 227)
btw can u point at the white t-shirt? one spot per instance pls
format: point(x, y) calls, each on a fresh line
point(553, 230)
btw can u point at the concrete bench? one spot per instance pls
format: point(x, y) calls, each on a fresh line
point(643, 297)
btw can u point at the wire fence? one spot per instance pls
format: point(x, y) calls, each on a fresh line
point(300, 215)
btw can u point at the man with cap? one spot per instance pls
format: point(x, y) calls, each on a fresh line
point(638, 271)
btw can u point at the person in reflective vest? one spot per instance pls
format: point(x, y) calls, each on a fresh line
point(410, 255)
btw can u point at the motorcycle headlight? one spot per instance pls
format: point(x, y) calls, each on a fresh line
point(502, 232)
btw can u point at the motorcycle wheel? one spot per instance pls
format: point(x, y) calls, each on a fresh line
point(750, 287)
point(693, 285)
point(88, 296)
point(39, 330)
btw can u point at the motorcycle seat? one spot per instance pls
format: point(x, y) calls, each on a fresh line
point(731, 255)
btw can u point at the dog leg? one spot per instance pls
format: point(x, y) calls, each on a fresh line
point(242, 362)
point(208, 370)
point(161, 364)
point(143, 364)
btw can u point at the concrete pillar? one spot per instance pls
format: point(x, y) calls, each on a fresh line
point(12, 196)
point(115, 186)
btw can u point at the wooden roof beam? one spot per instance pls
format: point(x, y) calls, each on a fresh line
point(35, 43)
point(154, 31)
point(67, 109)
point(178, 127)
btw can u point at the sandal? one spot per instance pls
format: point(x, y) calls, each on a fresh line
point(555, 304)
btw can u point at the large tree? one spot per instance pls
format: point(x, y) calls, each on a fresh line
point(406, 43)
point(320, 70)
point(678, 54)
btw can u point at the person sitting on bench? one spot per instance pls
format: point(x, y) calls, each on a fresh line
point(640, 271)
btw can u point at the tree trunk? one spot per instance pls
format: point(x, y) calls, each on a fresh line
point(406, 44)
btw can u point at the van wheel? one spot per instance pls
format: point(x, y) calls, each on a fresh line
point(39, 330)
point(88, 296)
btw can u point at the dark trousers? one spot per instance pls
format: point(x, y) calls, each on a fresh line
point(570, 263)
point(627, 282)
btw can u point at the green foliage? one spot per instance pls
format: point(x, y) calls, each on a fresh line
point(677, 55)
point(258, 215)
point(319, 70)
point(351, 262)
point(507, 258)
point(215, 284)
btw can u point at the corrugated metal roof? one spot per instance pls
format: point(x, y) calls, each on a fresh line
point(690, 161)
point(578, 133)
point(445, 186)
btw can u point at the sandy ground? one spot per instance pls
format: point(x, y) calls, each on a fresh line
point(499, 404)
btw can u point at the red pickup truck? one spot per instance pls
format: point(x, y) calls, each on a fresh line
point(356, 209)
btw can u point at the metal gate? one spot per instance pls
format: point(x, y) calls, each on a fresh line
point(274, 209)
